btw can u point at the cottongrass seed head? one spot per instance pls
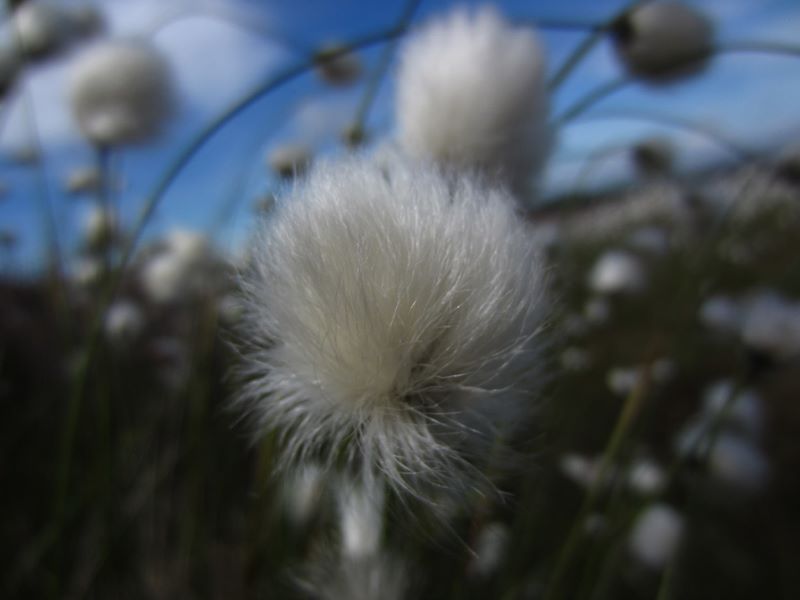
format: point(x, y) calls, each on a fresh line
point(660, 42)
point(121, 92)
point(471, 94)
point(392, 323)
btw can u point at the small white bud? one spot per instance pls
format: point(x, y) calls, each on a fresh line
point(336, 68)
point(653, 157)
point(83, 180)
point(289, 160)
point(100, 229)
point(121, 92)
point(721, 313)
point(656, 535)
point(646, 477)
point(490, 549)
point(662, 41)
point(361, 518)
point(737, 462)
point(617, 272)
point(42, 28)
point(124, 322)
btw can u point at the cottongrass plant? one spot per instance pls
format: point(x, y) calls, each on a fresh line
point(121, 92)
point(659, 42)
point(392, 324)
point(471, 95)
point(389, 335)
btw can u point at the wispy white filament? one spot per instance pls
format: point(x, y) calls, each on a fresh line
point(392, 321)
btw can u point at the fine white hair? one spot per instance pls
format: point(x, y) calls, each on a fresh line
point(392, 323)
point(471, 94)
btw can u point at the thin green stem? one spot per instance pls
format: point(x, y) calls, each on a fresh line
point(105, 204)
point(758, 47)
point(665, 585)
point(385, 59)
point(236, 193)
point(564, 24)
point(591, 98)
point(742, 154)
point(704, 443)
point(184, 157)
point(598, 32)
point(622, 427)
point(593, 162)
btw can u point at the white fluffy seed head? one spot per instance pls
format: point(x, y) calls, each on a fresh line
point(361, 511)
point(121, 92)
point(471, 94)
point(721, 313)
point(42, 28)
point(653, 157)
point(646, 477)
point(741, 410)
point(391, 322)
point(83, 180)
point(490, 549)
point(87, 271)
point(124, 322)
point(303, 490)
point(100, 229)
point(771, 324)
point(661, 41)
point(737, 462)
point(617, 272)
point(656, 535)
point(289, 160)
point(185, 269)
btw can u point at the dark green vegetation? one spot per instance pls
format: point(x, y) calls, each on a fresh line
point(160, 495)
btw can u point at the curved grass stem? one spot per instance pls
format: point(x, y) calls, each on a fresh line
point(758, 47)
point(626, 419)
point(598, 32)
point(742, 154)
point(591, 98)
point(376, 78)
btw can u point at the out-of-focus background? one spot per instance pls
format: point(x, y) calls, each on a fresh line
point(664, 462)
point(219, 50)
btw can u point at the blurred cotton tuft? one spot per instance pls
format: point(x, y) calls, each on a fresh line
point(471, 94)
point(121, 92)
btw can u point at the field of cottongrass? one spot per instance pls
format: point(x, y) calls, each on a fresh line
point(417, 382)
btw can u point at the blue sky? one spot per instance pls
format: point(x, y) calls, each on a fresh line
point(753, 99)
